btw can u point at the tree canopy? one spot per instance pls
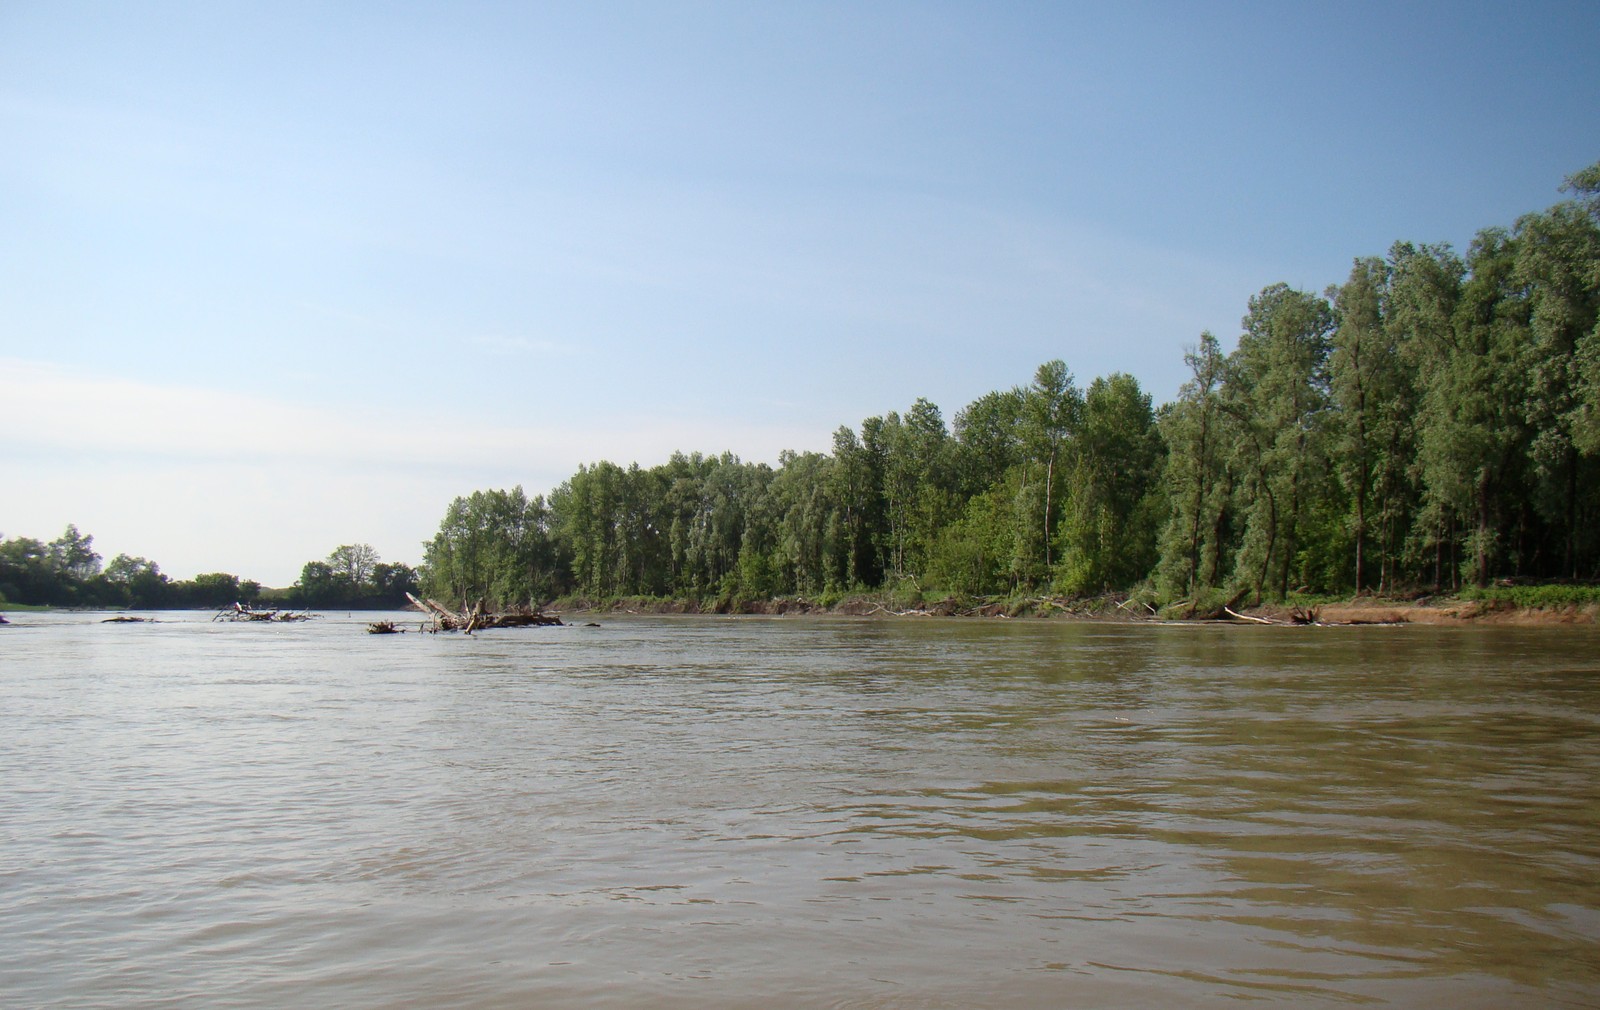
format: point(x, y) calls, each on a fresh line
point(1432, 421)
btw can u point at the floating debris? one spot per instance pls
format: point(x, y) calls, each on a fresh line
point(445, 619)
point(245, 612)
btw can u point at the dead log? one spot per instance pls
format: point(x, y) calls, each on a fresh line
point(1247, 617)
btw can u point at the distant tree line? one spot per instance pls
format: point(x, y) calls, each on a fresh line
point(1433, 421)
point(353, 576)
point(67, 572)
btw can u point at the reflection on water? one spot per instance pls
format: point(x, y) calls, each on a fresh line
point(715, 812)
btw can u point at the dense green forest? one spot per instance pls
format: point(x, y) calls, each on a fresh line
point(1430, 423)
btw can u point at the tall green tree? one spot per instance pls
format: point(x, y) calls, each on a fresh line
point(1051, 411)
point(352, 565)
point(1373, 386)
point(807, 523)
point(1198, 489)
point(1419, 520)
point(856, 484)
point(1279, 394)
point(73, 556)
point(392, 582)
point(917, 483)
point(1471, 433)
point(139, 582)
point(1557, 257)
point(495, 546)
point(988, 441)
point(320, 586)
point(1113, 512)
point(27, 574)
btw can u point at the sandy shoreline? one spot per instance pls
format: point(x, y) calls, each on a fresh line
point(1454, 612)
point(1345, 613)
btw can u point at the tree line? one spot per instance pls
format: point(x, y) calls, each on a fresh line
point(68, 572)
point(1432, 422)
point(1429, 423)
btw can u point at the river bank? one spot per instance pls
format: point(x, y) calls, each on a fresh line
point(1443, 610)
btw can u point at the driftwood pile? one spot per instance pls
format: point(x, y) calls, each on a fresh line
point(478, 617)
point(245, 612)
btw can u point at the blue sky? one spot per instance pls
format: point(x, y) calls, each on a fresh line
point(278, 277)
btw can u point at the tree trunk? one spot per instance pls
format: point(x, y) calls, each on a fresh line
point(1480, 561)
point(1049, 482)
point(1199, 502)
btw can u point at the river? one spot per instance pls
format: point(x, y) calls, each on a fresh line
point(814, 812)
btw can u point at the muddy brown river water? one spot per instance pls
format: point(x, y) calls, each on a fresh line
point(714, 812)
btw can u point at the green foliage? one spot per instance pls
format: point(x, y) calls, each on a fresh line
point(495, 546)
point(1113, 508)
point(1052, 409)
point(27, 576)
point(353, 577)
point(1276, 388)
point(72, 555)
point(139, 582)
point(1198, 481)
point(973, 553)
point(1535, 597)
point(1371, 432)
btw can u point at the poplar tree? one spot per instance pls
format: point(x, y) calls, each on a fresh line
point(1556, 257)
point(1469, 415)
point(988, 440)
point(1110, 522)
point(1197, 433)
point(1373, 388)
point(1278, 392)
point(491, 545)
point(856, 486)
point(1051, 410)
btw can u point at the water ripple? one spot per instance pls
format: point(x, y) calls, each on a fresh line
point(714, 812)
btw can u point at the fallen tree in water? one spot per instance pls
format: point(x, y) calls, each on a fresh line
point(479, 617)
point(245, 612)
